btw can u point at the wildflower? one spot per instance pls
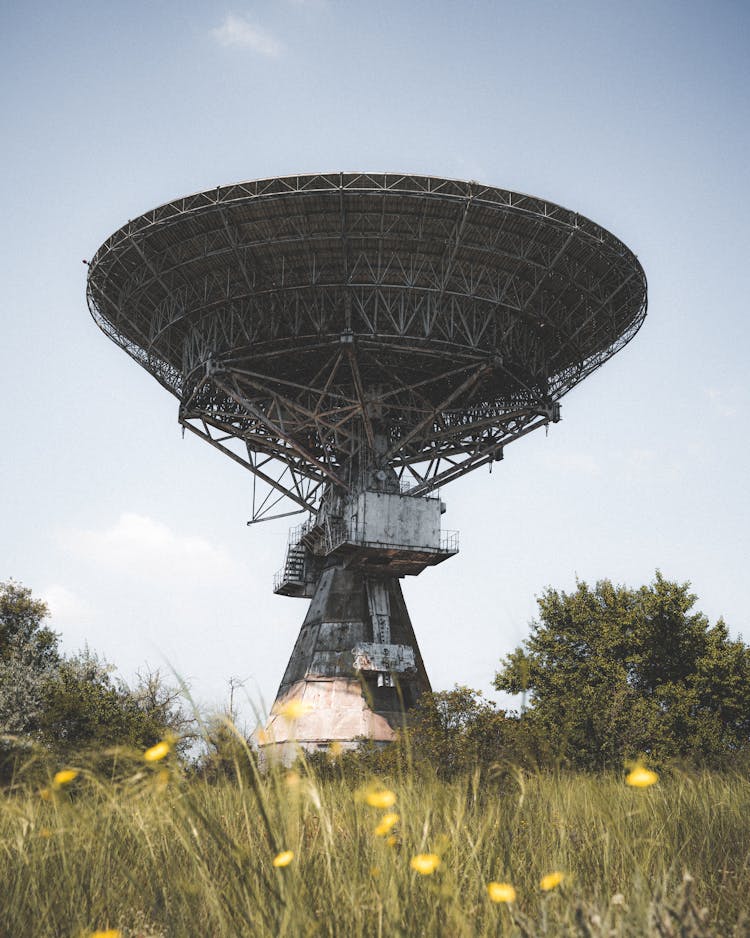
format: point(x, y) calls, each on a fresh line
point(380, 798)
point(107, 933)
point(294, 709)
point(284, 858)
point(64, 777)
point(641, 777)
point(501, 892)
point(392, 840)
point(425, 863)
point(292, 779)
point(551, 881)
point(158, 752)
point(386, 823)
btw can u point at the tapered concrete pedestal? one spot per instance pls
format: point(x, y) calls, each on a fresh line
point(355, 667)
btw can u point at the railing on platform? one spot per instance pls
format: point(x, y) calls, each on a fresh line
point(339, 533)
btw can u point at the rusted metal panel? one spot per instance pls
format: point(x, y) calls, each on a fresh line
point(372, 656)
point(395, 520)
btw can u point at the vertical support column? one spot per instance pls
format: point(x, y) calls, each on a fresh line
point(379, 605)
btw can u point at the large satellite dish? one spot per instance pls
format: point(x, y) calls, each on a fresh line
point(357, 341)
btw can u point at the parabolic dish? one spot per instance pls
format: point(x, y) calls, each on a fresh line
point(423, 322)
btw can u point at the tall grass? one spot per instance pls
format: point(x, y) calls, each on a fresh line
point(159, 854)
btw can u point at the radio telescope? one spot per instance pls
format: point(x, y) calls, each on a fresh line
point(356, 341)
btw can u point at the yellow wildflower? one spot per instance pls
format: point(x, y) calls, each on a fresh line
point(501, 892)
point(158, 752)
point(284, 858)
point(107, 933)
point(294, 709)
point(641, 777)
point(425, 863)
point(386, 823)
point(551, 881)
point(380, 798)
point(292, 779)
point(64, 777)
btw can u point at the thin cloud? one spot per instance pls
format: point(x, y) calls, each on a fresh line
point(239, 32)
point(139, 543)
point(66, 606)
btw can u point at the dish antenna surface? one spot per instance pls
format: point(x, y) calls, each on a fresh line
point(356, 341)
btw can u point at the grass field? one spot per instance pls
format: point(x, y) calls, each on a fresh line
point(160, 854)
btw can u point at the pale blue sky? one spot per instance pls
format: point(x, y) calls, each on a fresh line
point(635, 114)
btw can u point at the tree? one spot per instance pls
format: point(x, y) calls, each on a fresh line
point(457, 730)
point(28, 655)
point(87, 708)
point(616, 673)
point(70, 704)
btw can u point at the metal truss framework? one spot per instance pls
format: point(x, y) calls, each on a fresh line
point(317, 327)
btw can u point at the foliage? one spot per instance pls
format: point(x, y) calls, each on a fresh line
point(226, 754)
point(615, 673)
point(160, 854)
point(456, 730)
point(71, 704)
point(85, 708)
point(21, 628)
point(28, 654)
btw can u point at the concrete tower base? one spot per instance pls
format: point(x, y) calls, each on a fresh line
point(355, 667)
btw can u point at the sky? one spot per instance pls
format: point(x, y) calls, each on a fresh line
point(634, 114)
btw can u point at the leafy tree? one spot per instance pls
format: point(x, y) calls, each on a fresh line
point(28, 655)
point(164, 702)
point(87, 708)
point(226, 753)
point(71, 704)
point(615, 673)
point(21, 626)
point(457, 730)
